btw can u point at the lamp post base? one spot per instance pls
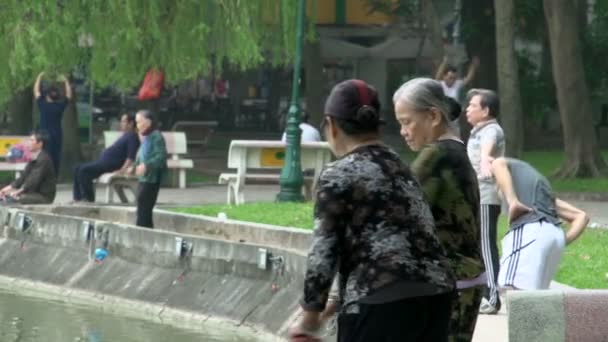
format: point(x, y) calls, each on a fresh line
point(289, 196)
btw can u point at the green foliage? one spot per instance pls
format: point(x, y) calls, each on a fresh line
point(530, 18)
point(595, 50)
point(406, 9)
point(130, 36)
point(538, 93)
point(537, 90)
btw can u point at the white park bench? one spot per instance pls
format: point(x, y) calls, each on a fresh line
point(6, 142)
point(248, 155)
point(176, 146)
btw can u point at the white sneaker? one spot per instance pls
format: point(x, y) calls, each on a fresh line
point(486, 308)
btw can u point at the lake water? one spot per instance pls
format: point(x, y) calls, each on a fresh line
point(32, 319)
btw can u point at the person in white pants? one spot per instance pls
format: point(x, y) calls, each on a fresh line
point(533, 247)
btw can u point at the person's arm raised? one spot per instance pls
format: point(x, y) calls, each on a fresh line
point(36, 89)
point(472, 71)
point(441, 69)
point(68, 87)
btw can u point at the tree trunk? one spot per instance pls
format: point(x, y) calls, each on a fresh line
point(546, 77)
point(71, 153)
point(478, 30)
point(315, 82)
point(433, 29)
point(19, 111)
point(478, 33)
point(508, 77)
point(583, 158)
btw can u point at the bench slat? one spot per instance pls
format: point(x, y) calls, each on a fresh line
point(180, 163)
point(6, 166)
point(176, 144)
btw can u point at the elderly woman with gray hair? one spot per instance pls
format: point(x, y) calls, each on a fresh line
point(450, 186)
point(150, 166)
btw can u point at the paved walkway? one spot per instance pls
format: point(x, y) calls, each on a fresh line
point(489, 327)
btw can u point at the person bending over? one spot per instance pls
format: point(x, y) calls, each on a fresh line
point(533, 247)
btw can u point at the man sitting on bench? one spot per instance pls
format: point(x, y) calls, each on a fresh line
point(37, 184)
point(309, 132)
point(117, 157)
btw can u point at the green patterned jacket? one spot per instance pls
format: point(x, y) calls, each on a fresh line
point(153, 154)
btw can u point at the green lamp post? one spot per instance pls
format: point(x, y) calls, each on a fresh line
point(291, 175)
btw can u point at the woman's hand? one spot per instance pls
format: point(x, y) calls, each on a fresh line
point(140, 170)
point(306, 328)
point(516, 209)
point(297, 335)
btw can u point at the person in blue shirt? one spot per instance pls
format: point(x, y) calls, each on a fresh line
point(52, 106)
point(118, 157)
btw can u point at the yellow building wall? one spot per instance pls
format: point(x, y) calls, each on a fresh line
point(355, 12)
point(326, 11)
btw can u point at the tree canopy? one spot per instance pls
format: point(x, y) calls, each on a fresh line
point(120, 39)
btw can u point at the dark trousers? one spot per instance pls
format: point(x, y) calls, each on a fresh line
point(464, 314)
point(418, 319)
point(147, 193)
point(54, 149)
point(489, 250)
point(84, 174)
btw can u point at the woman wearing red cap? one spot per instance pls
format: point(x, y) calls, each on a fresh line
point(374, 230)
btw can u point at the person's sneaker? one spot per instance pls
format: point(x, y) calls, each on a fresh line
point(487, 309)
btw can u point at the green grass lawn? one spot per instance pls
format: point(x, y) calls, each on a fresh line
point(6, 177)
point(297, 215)
point(197, 177)
point(548, 161)
point(584, 265)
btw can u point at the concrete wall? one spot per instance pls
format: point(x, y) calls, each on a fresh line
point(219, 277)
point(293, 239)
